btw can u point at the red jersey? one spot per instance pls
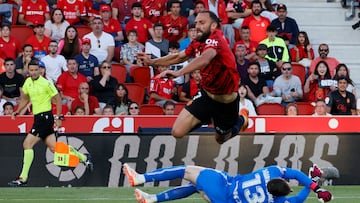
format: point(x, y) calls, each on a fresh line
point(34, 12)
point(221, 11)
point(70, 9)
point(174, 28)
point(70, 85)
point(112, 27)
point(162, 86)
point(64, 109)
point(10, 48)
point(220, 75)
point(257, 27)
point(40, 49)
point(303, 53)
point(91, 12)
point(154, 9)
point(124, 8)
point(142, 28)
point(93, 104)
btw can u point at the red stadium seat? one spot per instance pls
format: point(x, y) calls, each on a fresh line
point(21, 32)
point(119, 72)
point(151, 109)
point(305, 108)
point(136, 92)
point(270, 109)
point(117, 54)
point(179, 107)
point(141, 75)
point(83, 30)
point(299, 70)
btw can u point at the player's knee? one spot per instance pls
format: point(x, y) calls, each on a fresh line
point(177, 133)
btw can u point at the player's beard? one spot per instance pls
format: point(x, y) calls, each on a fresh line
point(204, 35)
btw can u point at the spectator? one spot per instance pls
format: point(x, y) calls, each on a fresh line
point(161, 89)
point(56, 26)
point(55, 64)
point(79, 111)
point(121, 10)
point(342, 70)
point(11, 81)
point(108, 110)
point(142, 25)
point(134, 109)
point(255, 85)
point(287, 85)
point(174, 24)
point(249, 44)
point(90, 103)
point(236, 11)
point(10, 46)
point(268, 10)
point(22, 62)
point(69, 81)
point(277, 50)
point(64, 108)
point(104, 85)
point(169, 108)
point(102, 43)
point(8, 108)
point(242, 64)
point(174, 48)
point(285, 24)
point(129, 50)
point(191, 35)
point(187, 7)
point(34, 12)
point(342, 102)
point(317, 85)
point(157, 46)
point(302, 52)
point(323, 56)
point(320, 108)
point(122, 100)
point(191, 87)
point(111, 25)
point(2, 100)
point(70, 45)
point(199, 6)
point(88, 63)
point(6, 10)
point(39, 41)
point(291, 109)
point(74, 10)
point(268, 68)
point(244, 102)
point(42, 69)
point(154, 9)
point(256, 23)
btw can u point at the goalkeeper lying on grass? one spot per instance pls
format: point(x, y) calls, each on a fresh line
point(264, 185)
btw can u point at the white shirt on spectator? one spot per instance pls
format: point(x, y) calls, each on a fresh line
point(54, 66)
point(99, 47)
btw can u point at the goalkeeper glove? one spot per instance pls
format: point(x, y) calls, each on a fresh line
point(315, 173)
point(322, 194)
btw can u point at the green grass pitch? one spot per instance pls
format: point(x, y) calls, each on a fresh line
point(343, 194)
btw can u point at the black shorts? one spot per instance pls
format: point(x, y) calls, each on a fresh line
point(43, 125)
point(208, 110)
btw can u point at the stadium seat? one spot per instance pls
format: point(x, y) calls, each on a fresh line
point(141, 75)
point(270, 109)
point(83, 30)
point(21, 32)
point(136, 92)
point(305, 108)
point(119, 72)
point(299, 70)
point(151, 109)
point(178, 107)
point(117, 54)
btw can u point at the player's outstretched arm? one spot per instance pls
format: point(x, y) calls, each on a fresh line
point(163, 61)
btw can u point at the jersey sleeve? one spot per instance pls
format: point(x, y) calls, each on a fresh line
point(52, 89)
point(25, 87)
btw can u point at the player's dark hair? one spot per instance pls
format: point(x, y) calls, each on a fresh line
point(213, 18)
point(278, 187)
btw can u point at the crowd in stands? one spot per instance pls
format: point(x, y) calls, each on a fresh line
point(275, 60)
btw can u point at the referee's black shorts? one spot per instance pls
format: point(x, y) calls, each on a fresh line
point(43, 125)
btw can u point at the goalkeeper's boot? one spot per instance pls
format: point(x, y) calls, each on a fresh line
point(88, 163)
point(245, 114)
point(133, 177)
point(144, 197)
point(18, 182)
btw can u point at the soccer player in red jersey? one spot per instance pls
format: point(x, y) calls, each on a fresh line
point(34, 11)
point(218, 99)
point(74, 10)
point(154, 9)
point(174, 24)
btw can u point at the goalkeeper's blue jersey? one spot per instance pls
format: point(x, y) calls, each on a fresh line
point(252, 187)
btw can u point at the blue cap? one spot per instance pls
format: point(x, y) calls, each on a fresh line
point(41, 64)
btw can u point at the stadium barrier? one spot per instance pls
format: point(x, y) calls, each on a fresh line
point(146, 144)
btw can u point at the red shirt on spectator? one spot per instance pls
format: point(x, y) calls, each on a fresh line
point(34, 12)
point(70, 8)
point(93, 104)
point(112, 27)
point(64, 109)
point(124, 8)
point(70, 85)
point(141, 27)
point(162, 86)
point(257, 28)
point(40, 49)
point(220, 75)
point(153, 9)
point(174, 28)
point(10, 48)
point(303, 53)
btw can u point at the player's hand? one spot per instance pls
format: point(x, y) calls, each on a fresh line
point(167, 74)
point(323, 195)
point(144, 58)
point(315, 173)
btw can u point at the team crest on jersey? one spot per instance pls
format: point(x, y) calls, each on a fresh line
point(145, 26)
point(40, 7)
point(112, 27)
point(211, 42)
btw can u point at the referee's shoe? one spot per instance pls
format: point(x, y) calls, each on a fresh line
point(19, 182)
